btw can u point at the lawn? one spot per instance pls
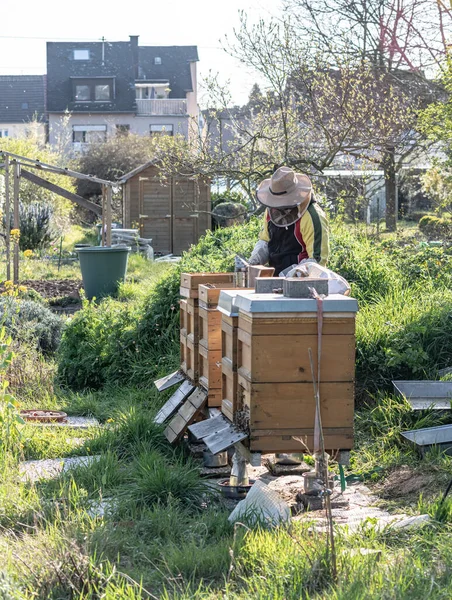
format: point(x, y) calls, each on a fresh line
point(139, 522)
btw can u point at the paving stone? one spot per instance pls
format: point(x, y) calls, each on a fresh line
point(50, 468)
point(71, 422)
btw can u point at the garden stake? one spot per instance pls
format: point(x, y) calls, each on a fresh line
point(61, 250)
point(7, 221)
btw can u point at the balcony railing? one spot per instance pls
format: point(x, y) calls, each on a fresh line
point(161, 107)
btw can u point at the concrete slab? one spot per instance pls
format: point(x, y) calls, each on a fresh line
point(71, 422)
point(51, 468)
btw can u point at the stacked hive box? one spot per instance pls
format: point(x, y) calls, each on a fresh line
point(210, 341)
point(229, 328)
point(275, 397)
point(189, 316)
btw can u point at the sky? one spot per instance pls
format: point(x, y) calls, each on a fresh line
point(27, 25)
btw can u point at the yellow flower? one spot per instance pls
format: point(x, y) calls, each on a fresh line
point(15, 235)
point(28, 253)
point(22, 288)
point(9, 283)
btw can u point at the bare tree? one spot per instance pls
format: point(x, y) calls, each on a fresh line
point(402, 41)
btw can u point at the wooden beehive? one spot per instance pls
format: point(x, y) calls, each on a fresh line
point(189, 318)
point(183, 335)
point(229, 340)
point(210, 340)
point(275, 396)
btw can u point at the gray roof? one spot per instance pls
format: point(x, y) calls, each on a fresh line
point(174, 67)
point(22, 98)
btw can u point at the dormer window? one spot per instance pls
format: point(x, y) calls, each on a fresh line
point(96, 89)
point(81, 54)
point(157, 60)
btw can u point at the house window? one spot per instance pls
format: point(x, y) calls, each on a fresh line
point(102, 92)
point(99, 89)
point(82, 93)
point(161, 130)
point(122, 129)
point(157, 60)
point(81, 54)
point(3, 133)
point(89, 134)
point(24, 105)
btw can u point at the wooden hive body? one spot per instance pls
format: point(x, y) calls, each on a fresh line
point(210, 340)
point(189, 318)
point(275, 394)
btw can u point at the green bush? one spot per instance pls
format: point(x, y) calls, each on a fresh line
point(36, 225)
point(404, 335)
point(135, 343)
point(402, 328)
point(30, 322)
point(435, 227)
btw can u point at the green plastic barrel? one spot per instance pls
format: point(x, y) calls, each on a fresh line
point(103, 269)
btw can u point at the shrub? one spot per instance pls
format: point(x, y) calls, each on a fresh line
point(30, 322)
point(115, 342)
point(435, 227)
point(404, 335)
point(36, 225)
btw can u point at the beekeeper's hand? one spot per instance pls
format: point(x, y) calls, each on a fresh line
point(260, 254)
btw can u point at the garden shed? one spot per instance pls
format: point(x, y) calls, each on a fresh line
point(174, 211)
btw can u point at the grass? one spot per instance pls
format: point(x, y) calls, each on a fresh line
point(161, 532)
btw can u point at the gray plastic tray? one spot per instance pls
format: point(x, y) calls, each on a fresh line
point(426, 439)
point(425, 394)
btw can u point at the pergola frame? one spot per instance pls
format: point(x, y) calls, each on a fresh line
point(19, 163)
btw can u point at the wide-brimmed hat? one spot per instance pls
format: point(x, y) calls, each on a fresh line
point(285, 189)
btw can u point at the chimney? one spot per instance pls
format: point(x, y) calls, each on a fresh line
point(134, 47)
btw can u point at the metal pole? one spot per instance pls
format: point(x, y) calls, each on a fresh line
point(7, 221)
point(102, 232)
point(109, 194)
point(16, 221)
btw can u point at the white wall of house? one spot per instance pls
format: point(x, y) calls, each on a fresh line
point(61, 126)
point(23, 130)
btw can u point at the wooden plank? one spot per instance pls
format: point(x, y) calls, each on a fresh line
point(210, 368)
point(209, 293)
point(187, 414)
point(174, 403)
point(209, 328)
point(52, 187)
point(270, 360)
point(273, 444)
point(224, 439)
point(226, 409)
point(258, 271)
point(16, 189)
point(7, 220)
point(198, 398)
point(194, 280)
point(208, 427)
point(168, 381)
point(108, 215)
point(292, 405)
point(229, 388)
point(296, 325)
point(214, 398)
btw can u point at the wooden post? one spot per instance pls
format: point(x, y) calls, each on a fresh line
point(7, 220)
point(109, 194)
point(102, 232)
point(16, 221)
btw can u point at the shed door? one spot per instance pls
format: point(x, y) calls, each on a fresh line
point(185, 221)
point(155, 211)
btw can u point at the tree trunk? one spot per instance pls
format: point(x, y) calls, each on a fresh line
point(390, 188)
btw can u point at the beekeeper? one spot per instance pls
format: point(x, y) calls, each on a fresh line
point(295, 228)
